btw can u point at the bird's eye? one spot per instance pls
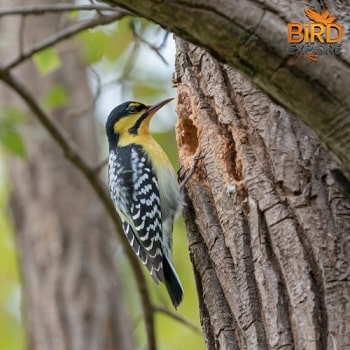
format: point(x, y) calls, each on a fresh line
point(132, 110)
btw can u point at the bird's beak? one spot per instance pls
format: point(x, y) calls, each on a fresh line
point(156, 106)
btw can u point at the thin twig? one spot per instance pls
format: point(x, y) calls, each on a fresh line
point(72, 154)
point(41, 9)
point(97, 10)
point(165, 39)
point(91, 104)
point(178, 318)
point(191, 171)
point(151, 46)
point(62, 35)
point(98, 91)
point(128, 67)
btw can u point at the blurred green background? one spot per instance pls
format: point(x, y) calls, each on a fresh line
point(128, 60)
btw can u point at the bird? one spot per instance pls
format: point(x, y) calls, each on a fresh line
point(322, 17)
point(144, 189)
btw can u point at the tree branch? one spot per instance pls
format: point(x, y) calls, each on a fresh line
point(41, 9)
point(88, 171)
point(178, 318)
point(60, 36)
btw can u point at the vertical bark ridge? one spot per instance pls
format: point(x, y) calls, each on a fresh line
point(277, 217)
point(245, 306)
point(216, 318)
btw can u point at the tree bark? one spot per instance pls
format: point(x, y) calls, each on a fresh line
point(268, 227)
point(72, 295)
point(251, 36)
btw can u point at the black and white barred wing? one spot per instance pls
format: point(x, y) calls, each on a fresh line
point(141, 215)
point(146, 215)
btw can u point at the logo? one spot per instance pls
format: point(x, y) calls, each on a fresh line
point(319, 37)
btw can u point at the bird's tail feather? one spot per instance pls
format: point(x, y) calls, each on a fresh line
point(172, 282)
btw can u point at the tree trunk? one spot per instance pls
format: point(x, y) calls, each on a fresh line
point(268, 228)
point(72, 298)
point(251, 35)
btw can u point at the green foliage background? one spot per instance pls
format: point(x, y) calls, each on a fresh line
point(121, 62)
point(11, 334)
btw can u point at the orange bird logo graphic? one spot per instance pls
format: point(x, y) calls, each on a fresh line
point(322, 17)
point(316, 17)
point(319, 36)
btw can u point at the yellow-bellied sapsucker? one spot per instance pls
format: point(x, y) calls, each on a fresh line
point(144, 190)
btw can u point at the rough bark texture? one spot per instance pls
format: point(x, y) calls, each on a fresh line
point(268, 227)
point(72, 298)
point(251, 36)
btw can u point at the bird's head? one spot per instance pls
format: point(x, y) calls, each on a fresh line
point(130, 119)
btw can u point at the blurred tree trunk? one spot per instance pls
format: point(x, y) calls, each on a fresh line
point(268, 228)
point(72, 298)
